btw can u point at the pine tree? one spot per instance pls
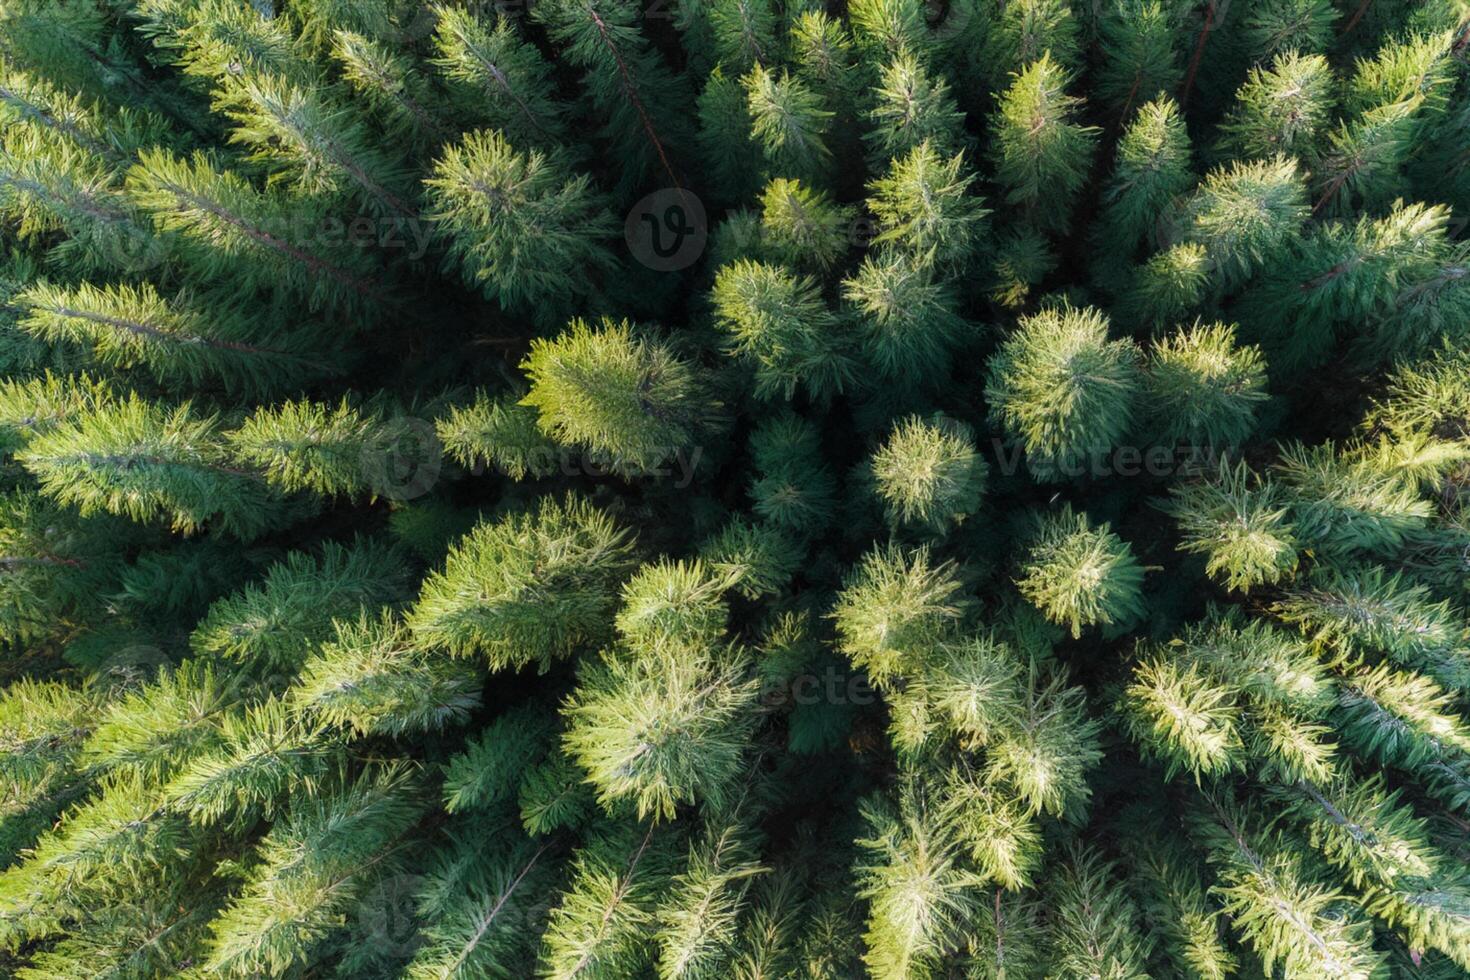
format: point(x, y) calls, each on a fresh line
point(287, 906)
point(1041, 155)
point(662, 727)
point(371, 679)
point(906, 319)
point(919, 893)
point(500, 431)
point(782, 324)
point(1095, 929)
point(501, 75)
point(639, 100)
point(804, 227)
point(893, 608)
point(928, 473)
point(1239, 523)
point(789, 122)
point(1309, 930)
point(1280, 110)
point(1063, 391)
point(481, 906)
point(1203, 388)
point(317, 146)
point(1151, 171)
point(1079, 574)
point(278, 622)
point(174, 340)
point(260, 237)
point(619, 393)
point(925, 210)
point(545, 582)
point(912, 110)
point(604, 917)
point(519, 223)
point(56, 565)
point(142, 461)
point(1140, 42)
point(1245, 216)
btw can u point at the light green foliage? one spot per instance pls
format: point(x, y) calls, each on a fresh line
point(804, 227)
point(287, 906)
point(472, 183)
point(1238, 523)
point(501, 76)
point(918, 891)
point(790, 123)
point(306, 446)
point(526, 588)
point(1183, 717)
point(912, 109)
point(1245, 215)
point(925, 208)
point(928, 472)
point(659, 728)
point(500, 431)
point(781, 323)
point(699, 919)
point(1041, 154)
point(321, 147)
point(1079, 574)
point(672, 605)
point(1063, 391)
point(371, 678)
point(607, 909)
point(278, 622)
point(225, 223)
point(1289, 919)
point(140, 460)
point(1150, 172)
point(1348, 504)
point(1281, 109)
point(894, 608)
point(1203, 388)
point(177, 340)
point(617, 393)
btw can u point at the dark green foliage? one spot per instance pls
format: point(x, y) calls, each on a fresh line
point(734, 489)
